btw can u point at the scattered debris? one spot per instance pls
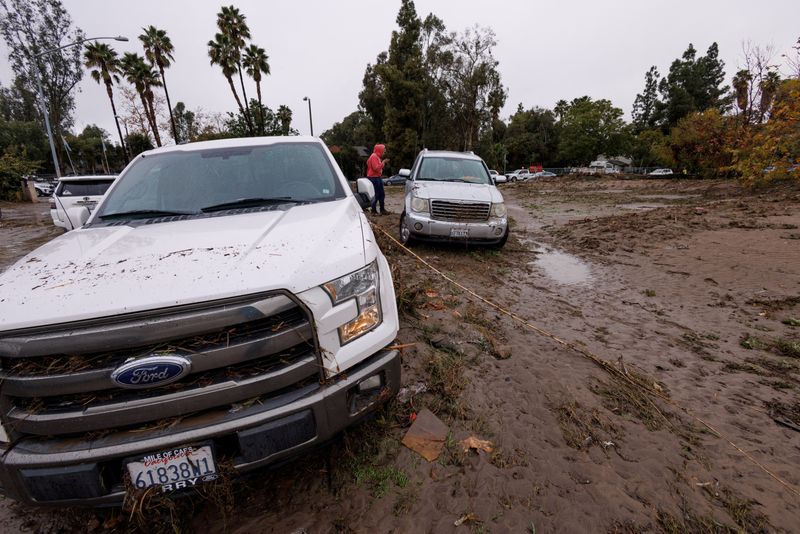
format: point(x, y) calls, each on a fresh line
point(426, 436)
point(477, 444)
point(466, 518)
point(407, 393)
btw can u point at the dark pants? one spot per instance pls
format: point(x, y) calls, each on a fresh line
point(380, 194)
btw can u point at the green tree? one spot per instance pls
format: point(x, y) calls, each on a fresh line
point(401, 77)
point(644, 106)
point(103, 63)
point(31, 27)
point(138, 143)
point(17, 103)
point(24, 137)
point(356, 129)
point(372, 97)
point(284, 117)
point(14, 164)
point(702, 142)
point(222, 53)
point(142, 76)
point(185, 122)
point(531, 137)
point(741, 90)
point(232, 23)
point(274, 123)
point(256, 63)
point(158, 50)
point(693, 84)
point(475, 93)
point(591, 127)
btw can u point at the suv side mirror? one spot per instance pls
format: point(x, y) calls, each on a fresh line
point(365, 192)
point(78, 216)
point(405, 173)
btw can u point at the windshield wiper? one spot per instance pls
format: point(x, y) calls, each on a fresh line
point(251, 202)
point(146, 213)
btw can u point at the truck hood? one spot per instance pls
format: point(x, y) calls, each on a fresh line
point(103, 271)
point(456, 191)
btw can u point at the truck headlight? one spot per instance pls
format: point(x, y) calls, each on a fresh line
point(363, 286)
point(420, 205)
point(498, 210)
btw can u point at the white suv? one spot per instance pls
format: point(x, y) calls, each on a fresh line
point(450, 196)
point(74, 193)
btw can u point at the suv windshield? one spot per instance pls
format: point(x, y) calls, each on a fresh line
point(241, 177)
point(453, 169)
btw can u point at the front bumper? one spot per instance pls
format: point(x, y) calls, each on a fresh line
point(68, 472)
point(425, 228)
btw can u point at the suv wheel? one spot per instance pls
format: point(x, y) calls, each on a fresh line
point(405, 232)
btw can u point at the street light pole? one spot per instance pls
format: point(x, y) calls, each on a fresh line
point(41, 93)
point(310, 120)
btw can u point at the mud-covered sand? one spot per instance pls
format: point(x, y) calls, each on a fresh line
point(690, 289)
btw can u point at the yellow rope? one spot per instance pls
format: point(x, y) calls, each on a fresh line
point(604, 364)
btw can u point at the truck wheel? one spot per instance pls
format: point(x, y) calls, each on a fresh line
point(499, 245)
point(405, 232)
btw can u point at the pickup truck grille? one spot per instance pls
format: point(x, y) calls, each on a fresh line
point(449, 210)
point(57, 381)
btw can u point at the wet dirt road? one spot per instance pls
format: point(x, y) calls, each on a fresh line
point(689, 290)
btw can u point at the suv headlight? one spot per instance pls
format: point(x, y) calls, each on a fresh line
point(498, 210)
point(363, 286)
point(420, 205)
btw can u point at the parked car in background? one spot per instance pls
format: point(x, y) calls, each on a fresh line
point(450, 196)
point(233, 289)
point(660, 172)
point(74, 193)
point(544, 174)
point(394, 180)
point(497, 177)
point(520, 175)
point(602, 167)
point(43, 189)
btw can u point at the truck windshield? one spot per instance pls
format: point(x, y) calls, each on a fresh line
point(454, 170)
point(188, 181)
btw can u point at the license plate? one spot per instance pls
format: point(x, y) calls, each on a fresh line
point(174, 469)
point(459, 232)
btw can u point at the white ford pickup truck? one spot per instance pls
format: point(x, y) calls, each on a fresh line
point(225, 302)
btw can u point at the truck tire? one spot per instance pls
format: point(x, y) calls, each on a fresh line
point(406, 238)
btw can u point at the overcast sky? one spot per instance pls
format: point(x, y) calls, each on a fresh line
point(547, 50)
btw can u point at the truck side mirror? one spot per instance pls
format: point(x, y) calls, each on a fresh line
point(405, 173)
point(365, 192)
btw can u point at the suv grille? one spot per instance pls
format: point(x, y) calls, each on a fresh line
point(449, 210)
point(57, 380)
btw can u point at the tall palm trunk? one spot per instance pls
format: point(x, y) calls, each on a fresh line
point(152, 108)
point(149, 117)
point(262, 129)
point(247, 104)
point(236, 96)
point(169, 105)
point(110, 92)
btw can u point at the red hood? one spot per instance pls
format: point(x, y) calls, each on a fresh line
point(379, 150)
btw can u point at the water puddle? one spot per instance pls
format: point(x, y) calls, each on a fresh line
point(639, 206)
point(669, 197)
point(561, 267)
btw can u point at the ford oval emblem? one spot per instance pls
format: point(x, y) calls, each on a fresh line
point(151, 371)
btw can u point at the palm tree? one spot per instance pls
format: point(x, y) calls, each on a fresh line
point(142, 76)
point(231, 22)
point(221, 52)
point(158, 50)
point(769, 87)
point(104, 65)
point(256, 63)
point(741, 89)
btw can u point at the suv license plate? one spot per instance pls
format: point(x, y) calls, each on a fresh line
point(174, 469)
point(459, 232)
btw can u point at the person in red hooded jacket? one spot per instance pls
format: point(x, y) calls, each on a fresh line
point(374, 170)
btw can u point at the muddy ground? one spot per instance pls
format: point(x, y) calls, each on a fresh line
point(688, 290)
